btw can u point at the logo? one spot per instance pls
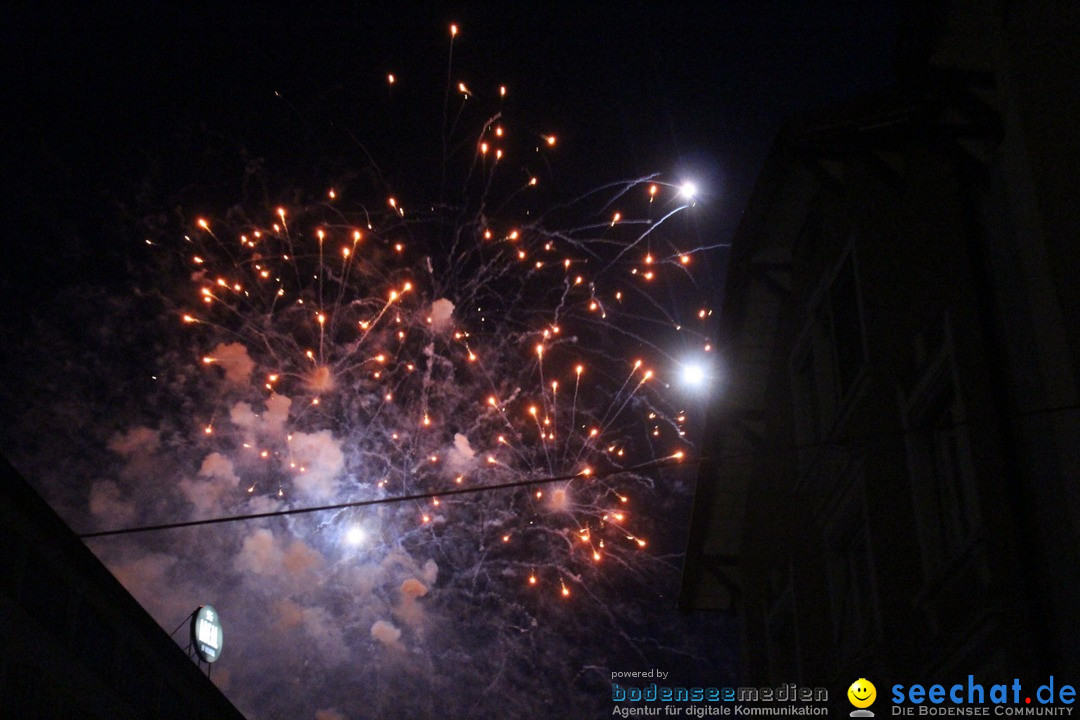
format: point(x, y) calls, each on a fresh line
point(862, 694)
point(973, 698)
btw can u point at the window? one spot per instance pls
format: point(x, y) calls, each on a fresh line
point(939, 458)
point(851, 586)
point(780, 626)
point(812, 235)
point(846, 325)
point(807, 405)
point(850, 570)
point(830, 353)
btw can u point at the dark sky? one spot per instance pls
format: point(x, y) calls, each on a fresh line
point(115, 118)
point(105, 104)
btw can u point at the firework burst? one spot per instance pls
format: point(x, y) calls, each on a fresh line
point(364, 342)
point(445, 348)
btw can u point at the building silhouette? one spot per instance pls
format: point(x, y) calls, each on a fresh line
point(76, 644)
point(890, 485)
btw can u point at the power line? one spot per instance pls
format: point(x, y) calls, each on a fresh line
point(658, 463)
point(766, 449)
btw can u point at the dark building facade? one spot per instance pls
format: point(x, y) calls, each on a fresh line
point(76, 644)
point(891, 480)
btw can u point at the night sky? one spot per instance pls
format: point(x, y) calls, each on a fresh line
point(124, 127)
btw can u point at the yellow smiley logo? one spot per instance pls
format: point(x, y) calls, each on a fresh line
point(862, 693)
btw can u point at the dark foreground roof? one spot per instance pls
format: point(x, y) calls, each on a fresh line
point(76, 643)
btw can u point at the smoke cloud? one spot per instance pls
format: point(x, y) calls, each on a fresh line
point(442, 315)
